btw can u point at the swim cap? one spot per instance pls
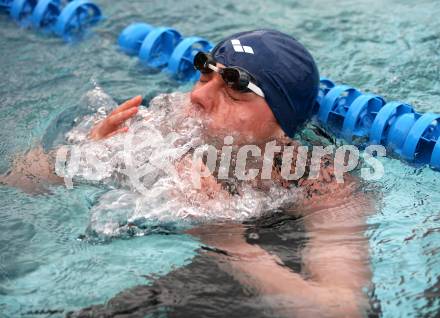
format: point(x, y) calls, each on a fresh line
point(283, 69)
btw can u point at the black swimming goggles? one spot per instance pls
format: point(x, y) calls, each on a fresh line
point(235, 77)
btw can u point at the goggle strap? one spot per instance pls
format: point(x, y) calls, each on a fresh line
point(255, 89)
point(213, 67)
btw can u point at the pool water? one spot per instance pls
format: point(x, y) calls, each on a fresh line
point(388, 48)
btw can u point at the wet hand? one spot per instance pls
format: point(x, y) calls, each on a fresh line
point(111, 125)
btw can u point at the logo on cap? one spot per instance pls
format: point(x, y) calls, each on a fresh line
point(241, 48)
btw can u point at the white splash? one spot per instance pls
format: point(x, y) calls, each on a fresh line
point(143, 168)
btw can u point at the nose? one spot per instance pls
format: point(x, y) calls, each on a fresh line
point(207, 94)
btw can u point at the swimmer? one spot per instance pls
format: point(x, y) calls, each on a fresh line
point(261, 86)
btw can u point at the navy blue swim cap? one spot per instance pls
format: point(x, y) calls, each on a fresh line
point(283, 69)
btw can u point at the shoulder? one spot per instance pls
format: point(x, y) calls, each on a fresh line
point(318, 181)
point(324, 183)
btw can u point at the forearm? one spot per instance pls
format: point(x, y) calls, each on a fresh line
point(32, 171)
point(289, 292)
point(285, 290)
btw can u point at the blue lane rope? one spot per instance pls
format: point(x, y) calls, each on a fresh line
point(360, 116)
point(68, 19)
point(157, 47)
point(163, 48)
point(368, 119)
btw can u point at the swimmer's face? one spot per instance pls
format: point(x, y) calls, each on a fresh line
point(245, 115)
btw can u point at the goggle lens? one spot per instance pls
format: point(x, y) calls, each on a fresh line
point(201, 61)
point(236, 79)
point(231, 77)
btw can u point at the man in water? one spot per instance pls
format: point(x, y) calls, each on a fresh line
point(261, 86)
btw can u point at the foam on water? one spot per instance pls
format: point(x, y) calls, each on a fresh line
point(148, 184)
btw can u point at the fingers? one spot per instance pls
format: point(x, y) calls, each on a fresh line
point(110, 125)
point(134, 102)
point(120, 130)
point(119, 118)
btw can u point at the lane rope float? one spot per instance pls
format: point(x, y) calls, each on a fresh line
point(163, 48)
point(69, 19)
